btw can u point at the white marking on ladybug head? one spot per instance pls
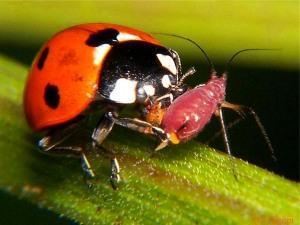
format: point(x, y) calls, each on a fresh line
point(165, 80)
point(127, 37)
point(149, 89)
point(124, 91)
point(100, 52)
point(143, 92)
point(167, 62)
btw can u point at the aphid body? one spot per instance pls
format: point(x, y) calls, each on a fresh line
point(191, 111)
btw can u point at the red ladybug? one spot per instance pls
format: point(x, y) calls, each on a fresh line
point(97, 67)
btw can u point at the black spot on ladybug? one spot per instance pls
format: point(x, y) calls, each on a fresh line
point(43, 58)
point(51, 96)
point(107, 36)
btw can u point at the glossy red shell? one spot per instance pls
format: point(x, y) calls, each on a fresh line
point(68, 66)
point(191, 111)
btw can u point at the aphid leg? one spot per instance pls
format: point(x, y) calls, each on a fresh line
point(242, 110)
point(220, 132)
point(219, 113)
point(237, 108)
point(225, 137)
point(49, 145)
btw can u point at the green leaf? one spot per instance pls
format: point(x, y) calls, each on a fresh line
point(185, 184)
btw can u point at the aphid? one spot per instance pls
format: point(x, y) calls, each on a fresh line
point(188, 114)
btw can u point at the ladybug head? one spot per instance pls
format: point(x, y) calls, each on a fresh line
point(154, 87)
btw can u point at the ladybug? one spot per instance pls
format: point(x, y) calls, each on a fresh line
point(98, 67)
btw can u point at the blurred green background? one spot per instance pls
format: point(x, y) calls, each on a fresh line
point(268, 81)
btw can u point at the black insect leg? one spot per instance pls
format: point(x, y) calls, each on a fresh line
point(135, 124)
point(177, 64)
point(166, 96)
point(191, 71)
point(115, 173)
point(74, 151)
point(142, 127)
point(50, 145)
point(103, 129)
point(86, 166)
point(105, 126)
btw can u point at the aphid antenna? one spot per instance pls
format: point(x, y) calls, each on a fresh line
point(246, 50)
point(211, 65)
point(262, 130)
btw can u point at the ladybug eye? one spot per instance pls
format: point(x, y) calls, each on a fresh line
point(141, 95)
point(173, 79)
point(144, 92)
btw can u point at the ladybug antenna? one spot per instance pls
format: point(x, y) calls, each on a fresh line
point(245, 50)
point(194, 43)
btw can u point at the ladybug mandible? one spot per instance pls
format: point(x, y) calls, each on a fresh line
point(107, 65)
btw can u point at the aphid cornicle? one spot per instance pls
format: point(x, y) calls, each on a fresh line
point(103, 65)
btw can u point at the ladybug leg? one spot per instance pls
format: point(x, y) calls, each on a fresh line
point(115, 171)
point(102, 130)
point(177, 64)
point(105, 126)
point(191, 71)
point(86, 166)
point(169, 96)
point(139, 126)
point(50, 145)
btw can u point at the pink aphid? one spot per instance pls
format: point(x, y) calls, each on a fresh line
point(191, 111)
point(188, 114)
